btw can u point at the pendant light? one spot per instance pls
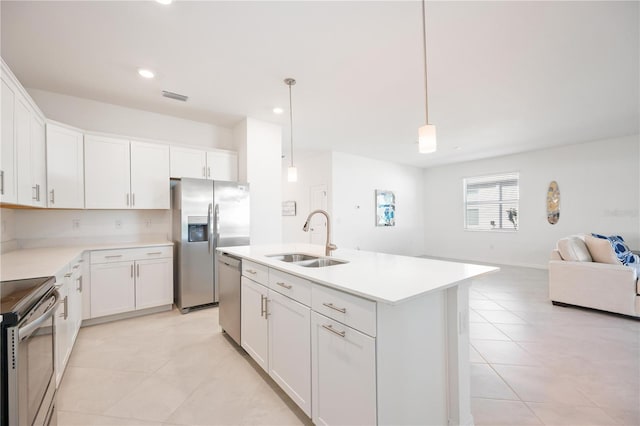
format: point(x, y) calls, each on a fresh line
point(292, 172)
point(427, 133)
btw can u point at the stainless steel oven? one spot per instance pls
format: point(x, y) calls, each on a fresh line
point(27, 350)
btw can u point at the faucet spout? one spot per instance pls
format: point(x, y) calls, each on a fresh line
point(328, 246)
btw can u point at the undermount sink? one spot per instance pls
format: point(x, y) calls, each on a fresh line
point(306, 260)
point(321, 263)
point(292, 257)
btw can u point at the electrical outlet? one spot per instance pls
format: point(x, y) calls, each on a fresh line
point(75, 224)
point(118, 224)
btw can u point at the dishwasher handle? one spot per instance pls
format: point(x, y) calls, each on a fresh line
point(230, 261)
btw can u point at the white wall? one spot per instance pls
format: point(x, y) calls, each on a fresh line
point(7, 230)
point(260, 144)
point(354, 181)
point(38, 227)
point(97, 116)
point(313, 169)
point(599, 193)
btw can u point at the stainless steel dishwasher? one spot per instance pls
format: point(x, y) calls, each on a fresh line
point(229, 287)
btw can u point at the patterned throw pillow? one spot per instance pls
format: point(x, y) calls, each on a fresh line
point(622, 251)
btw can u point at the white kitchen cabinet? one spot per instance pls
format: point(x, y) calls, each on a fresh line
point(65, 167)
point(343, 364)
point(75, 294)
point(289, 348)
point(130, 279)
point(112, 288)
point(150, 187)
point(120, 174)
point(30, 150)
point(153, 288)
point(200, 164)
point(222, 165)
point(107, 173)
point(22, 170)
point(8, 190)
point(275, 332)
point(253, 321)
point(188, 163)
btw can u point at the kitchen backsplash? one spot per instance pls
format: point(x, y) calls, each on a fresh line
point(31, 226)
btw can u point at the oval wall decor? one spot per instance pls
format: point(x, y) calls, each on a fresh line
point(553, 203)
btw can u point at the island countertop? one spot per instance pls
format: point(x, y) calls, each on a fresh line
point(385, 278)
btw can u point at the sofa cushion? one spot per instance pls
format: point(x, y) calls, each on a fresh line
point(621, 250)
point(574, 249)
point(601, 250)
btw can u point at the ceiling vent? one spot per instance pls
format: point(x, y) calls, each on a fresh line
point(176, 96)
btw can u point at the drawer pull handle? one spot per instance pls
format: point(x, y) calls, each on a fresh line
point(251, 271)
point(263, 307)
point(331, 329)
point(154, 253)
point(330, 305)
point(288, 287)
point(76, 266)
point(68, 274)
point(113, 256)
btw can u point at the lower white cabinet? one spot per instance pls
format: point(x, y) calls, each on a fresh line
point(69, 313)
point(344, 374)
point(128, 280)
point(112, 288)
point(275, 332)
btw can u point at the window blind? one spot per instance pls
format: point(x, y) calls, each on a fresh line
point(492, 202)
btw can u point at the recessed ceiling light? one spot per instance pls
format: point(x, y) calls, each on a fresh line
point(278, 110)
point(164, 1)
point(146, 73)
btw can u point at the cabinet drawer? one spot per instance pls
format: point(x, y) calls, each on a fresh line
point(257, 272)
point(125, 255)
point(351, 310)
point(294, 287)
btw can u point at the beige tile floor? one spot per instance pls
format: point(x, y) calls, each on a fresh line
point(532, 363)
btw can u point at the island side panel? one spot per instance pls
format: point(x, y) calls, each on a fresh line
point(412, 361)
point(459, 367)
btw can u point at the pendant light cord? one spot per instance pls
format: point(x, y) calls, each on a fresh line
point(424, 51)
point(291, 122)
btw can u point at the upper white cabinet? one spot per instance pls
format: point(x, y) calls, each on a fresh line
point(188, 163)
point(22, 172)
point(65, 167)
point(107, 173)
point(222, 165)
point(8, 191)
point(150, 187)
point(120, 174)
point(196, 163)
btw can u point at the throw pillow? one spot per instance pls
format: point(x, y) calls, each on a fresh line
point(621, 250)
point(601, 250)
point(574, 249)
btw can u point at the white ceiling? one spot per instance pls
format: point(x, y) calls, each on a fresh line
point(504, 77)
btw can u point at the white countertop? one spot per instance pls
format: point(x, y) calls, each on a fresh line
point(47, 261)
point(386, 278)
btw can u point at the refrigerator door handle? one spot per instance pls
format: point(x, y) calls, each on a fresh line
point(217, 219)
point(209, 226)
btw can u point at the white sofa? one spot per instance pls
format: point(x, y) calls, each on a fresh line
point(583, 273)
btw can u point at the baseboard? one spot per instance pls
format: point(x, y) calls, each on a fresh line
point(126, 315)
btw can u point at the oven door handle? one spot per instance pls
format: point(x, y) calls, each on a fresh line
point(27, 330)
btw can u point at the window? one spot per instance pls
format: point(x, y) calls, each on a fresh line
point(492, 202)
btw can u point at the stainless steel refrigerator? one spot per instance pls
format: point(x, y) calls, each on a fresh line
point(205, 214)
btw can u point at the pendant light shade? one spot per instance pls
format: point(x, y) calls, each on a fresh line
point(427, 133)
point(427, 139)
point(292, 172)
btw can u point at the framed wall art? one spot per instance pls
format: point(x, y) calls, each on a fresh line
point(385, 208)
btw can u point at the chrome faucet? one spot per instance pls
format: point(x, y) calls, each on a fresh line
point(328, 247)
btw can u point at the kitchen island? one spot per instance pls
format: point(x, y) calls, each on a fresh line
point(378, 339)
